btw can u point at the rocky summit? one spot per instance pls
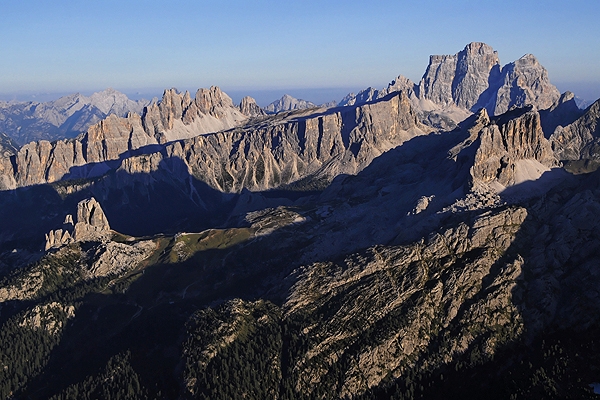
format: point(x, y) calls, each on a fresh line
point(288, 103)
point(66, 117)
point(434, 240)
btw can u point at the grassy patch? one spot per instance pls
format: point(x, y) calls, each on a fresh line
point(186, 245)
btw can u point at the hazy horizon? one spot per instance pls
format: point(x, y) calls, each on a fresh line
point(266, 46)
point(262, 96)
point(585, 91)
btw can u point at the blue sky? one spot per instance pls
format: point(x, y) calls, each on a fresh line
point(324, 48)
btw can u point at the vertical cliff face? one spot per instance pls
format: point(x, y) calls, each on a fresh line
point(460, 79)
point(452, 87)
point(579, 140)
point(524, 82)
point(249, 108)
point(114, 136)
point(7, 173)
point(299, 146)
point(278, 152)
point(32, 162)
point(476, 66)
point(473, 79)
point(176, 117)
point(512, 148)
point(90, 224)
point(414, 274)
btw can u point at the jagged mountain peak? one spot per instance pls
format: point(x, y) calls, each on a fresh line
point(513, 149)
point(249, 107)
point(111, 101)
point(390, 262)
point(64, 117)
point(461, 78)
point(473, 50)
point(480, 48)
point(528, 58)
point(563, 112)
point(469, 80)
point(578, 143)
point(524, 81)
point(213, 97)
point(565, 97)
point(288, 103)
point(370, 94)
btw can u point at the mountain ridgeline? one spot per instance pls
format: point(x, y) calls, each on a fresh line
point(66, 117)
point(430, 240)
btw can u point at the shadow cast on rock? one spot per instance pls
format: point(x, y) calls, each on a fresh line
point(167, 200)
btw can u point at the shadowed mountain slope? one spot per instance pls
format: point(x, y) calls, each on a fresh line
point(357, 252)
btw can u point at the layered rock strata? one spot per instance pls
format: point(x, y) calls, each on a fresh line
point(511, 148)
point(580, 139)
point(461, 78)
point(298, 146)
point(177, 116)
point(473, 79)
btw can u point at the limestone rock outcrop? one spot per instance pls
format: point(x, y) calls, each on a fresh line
point(249, 107)
point(579, 140)
point(288, 103)
point(113, 258)
point(454, 86)
point(523, 82)
point(426, 294)
point(314, 146)
point(473, 79)
point(512, 148)
point(8, 146)
point(91, 224)
point(176, 117)
point(57, 238)
point(401, 83)
point(299, 146)
point(461, 78)
point(395, 275)
point(65, 117)
point(7, 173)
point(47, 318)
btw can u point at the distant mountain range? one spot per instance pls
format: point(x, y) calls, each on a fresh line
point(428, 240)
point(65, 117)
point(8, 145)
point(288, 103)
point(451, 89)
point(468, 80)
